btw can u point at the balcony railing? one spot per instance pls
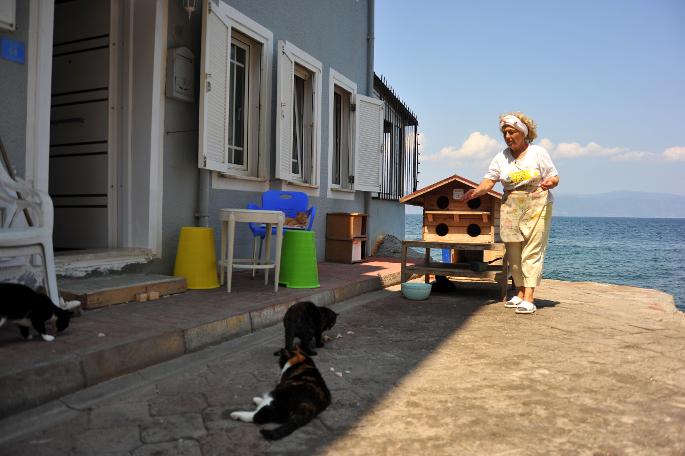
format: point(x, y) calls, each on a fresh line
point(399, 167)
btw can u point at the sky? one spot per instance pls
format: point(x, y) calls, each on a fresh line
point(603, 79)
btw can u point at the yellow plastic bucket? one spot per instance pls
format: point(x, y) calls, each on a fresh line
point(196, 258)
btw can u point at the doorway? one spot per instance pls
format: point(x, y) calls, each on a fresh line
point(82, 164)
point(107, 124)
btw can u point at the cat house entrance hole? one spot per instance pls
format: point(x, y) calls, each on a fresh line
point(473, 230)
point(474, 203)
point(443, 202)
point(441, 229)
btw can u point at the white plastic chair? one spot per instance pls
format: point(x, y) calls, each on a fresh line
point(19, 238)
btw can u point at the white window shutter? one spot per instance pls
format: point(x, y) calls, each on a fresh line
point(370, 144)
point(284, 112)
point(214, 89)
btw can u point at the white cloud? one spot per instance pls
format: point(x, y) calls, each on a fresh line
point(674, 154)
point(632, 155)
point(477, 146)
point(574, 149)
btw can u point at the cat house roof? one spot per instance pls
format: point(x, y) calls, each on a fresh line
point(416, 198)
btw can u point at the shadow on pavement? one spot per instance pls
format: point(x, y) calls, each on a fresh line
point(374, 347)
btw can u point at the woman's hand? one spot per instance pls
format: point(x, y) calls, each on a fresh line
point(469, 195)
point(549, 183)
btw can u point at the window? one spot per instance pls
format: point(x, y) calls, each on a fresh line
point(298, 129)
point(238, 95)
point(243, 101)
point(342, 132)
point(234, 89)
point(355, 139)
point(302, 158)
point(342, 136)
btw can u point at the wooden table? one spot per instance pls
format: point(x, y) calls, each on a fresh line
point(228, 219)
point(500, 274)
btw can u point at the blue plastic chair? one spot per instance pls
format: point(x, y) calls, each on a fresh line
point(291, 203)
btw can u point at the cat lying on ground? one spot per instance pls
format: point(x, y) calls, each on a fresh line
point(306, 321)
point(30, 309)
point(300, 396)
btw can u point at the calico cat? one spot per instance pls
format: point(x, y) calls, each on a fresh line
point(306, 321)
point(300, 396)
point(28, 308)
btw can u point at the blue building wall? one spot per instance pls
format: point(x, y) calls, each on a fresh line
point(332, 31)
point(13, 95)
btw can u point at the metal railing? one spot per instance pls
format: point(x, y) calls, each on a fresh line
point(399, 167)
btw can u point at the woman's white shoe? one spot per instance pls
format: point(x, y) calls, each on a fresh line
point(513, 302)
point(525, 307)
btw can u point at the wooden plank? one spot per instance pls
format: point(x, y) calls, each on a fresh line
point(459, 238)
point(473, 213)
point(431, 202)
point(118, 295)
point(456, 221)
point(453, 245)
point(453, 272)
point(403, 267)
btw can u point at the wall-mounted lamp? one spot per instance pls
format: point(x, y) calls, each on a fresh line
point(189, 6)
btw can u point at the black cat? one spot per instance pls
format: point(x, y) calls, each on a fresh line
point(306, 321)
point(442, 284)
point(300, 395)
point(28, 308)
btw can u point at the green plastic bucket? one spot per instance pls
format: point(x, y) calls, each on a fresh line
point(299, 268)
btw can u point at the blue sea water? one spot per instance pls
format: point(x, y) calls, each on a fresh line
point(648, 253)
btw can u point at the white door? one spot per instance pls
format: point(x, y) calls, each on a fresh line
point(79, 180)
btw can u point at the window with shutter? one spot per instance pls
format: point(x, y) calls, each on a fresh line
point(342, 133)
point(234, 94)
point(370, 143)
point(298, 130)
point(214, 89)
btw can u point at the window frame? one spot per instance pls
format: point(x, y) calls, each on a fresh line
point(248, 113)
point(337, 82)
point(257, 177)
point(290, 57)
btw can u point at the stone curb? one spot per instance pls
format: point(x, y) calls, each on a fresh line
point(37, 385)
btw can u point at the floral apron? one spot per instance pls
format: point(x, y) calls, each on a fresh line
point(520, 212)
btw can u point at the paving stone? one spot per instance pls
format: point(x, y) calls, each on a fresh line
point(185, 383)
point(117, 439)
point(118, 414)
point(237, 441)
point(218, 418)
point(168, 428)
point(180, 447)
point(177, 404)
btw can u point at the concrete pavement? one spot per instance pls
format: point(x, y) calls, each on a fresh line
point(111, 341)
point(598, 370)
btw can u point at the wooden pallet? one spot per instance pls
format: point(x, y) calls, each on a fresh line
point(94, 292)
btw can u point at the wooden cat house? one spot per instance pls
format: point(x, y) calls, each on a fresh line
point(446, 219)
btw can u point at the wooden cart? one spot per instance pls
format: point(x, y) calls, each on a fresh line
point(498, 273)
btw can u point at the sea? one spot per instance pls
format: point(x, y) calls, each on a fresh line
point(647, 253)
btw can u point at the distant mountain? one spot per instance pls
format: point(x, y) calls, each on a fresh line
point(620, 204)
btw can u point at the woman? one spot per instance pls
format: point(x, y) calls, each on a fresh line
point(527, 174)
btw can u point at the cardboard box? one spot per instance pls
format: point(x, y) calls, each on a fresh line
point(345, 225)
point(345, 251)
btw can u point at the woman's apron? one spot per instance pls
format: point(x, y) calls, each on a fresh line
point(521, 210)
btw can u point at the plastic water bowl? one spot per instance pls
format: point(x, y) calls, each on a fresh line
point(416, 291)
